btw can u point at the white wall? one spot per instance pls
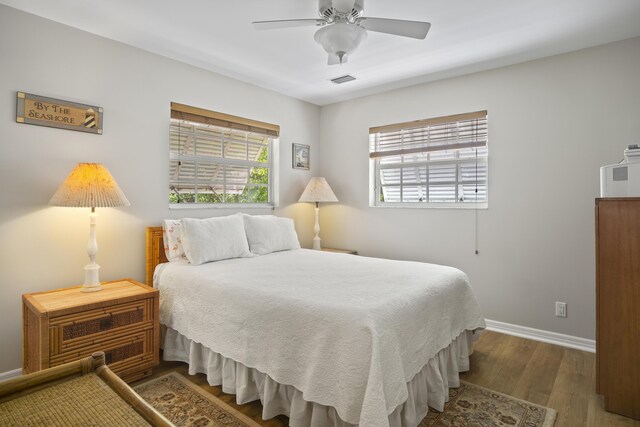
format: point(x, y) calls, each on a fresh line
point(552, 123)
point(45, 247)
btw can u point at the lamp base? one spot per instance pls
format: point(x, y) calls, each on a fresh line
point(91, 278)
point(316, 229)
point(91, 288)
point(92, 270)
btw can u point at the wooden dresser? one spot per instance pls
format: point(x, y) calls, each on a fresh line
point(618, 304)
point(64, 325)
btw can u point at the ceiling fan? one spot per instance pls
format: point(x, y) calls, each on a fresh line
point(343, 28)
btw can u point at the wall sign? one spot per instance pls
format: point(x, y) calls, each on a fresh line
point(56, 113)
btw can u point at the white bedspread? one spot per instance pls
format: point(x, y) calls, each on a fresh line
point(349, 332)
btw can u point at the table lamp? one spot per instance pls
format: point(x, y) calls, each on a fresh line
point(317, 191)
point(90, 185)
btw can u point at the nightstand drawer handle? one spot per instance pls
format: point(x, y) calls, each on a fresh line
point(106, 323)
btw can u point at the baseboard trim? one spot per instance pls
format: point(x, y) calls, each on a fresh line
point(10, 374)
point(541, 335)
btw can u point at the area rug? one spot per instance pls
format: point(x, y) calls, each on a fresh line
point(187, 405)
point(473, 406)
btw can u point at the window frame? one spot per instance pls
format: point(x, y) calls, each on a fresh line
point(375, 167)
point(206, 118)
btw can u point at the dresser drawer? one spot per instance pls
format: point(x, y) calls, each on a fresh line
point(78, 330)
point(121, 353)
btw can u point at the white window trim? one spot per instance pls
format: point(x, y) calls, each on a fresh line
point(374, 189)
point(374, 194)
point(274, 174)
point(235, 206)
point(275, 201)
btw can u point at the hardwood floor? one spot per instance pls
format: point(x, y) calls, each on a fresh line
point(549, 375)
point(557, 377)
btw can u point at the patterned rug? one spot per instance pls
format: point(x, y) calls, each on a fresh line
point(187, 405)
point(474, 406)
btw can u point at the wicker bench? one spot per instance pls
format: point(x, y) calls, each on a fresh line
point(85, 392)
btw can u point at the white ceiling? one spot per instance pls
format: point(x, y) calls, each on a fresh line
point(466, 36)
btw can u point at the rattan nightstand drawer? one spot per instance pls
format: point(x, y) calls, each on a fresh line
point(81, 329)
point(130, 352)
point(115, 344)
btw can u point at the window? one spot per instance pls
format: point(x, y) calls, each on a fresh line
point(439, 162)
point(218, 159)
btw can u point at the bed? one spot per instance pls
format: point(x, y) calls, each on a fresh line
point(327, 339)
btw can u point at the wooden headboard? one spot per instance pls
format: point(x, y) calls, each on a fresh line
point(155, 252)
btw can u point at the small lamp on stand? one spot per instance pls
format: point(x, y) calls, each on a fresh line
point(90, 185)
point(317, 191)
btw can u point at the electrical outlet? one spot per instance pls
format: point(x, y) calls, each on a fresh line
point(561, 309)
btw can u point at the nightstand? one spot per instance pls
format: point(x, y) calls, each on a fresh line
point(66, 324)
point(341, 251)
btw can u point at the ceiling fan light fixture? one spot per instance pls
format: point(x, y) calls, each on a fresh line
point(340, 39)
point(343, 27)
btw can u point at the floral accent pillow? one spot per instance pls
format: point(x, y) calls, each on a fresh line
point(173, 240)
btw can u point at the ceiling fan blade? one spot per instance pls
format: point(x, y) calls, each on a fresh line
point(398, 27)
point(335, 59)
point(288, 23)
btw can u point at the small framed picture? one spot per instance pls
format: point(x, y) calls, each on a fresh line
point(300, 156)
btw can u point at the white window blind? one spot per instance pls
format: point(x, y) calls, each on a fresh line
point(433, 162)
point(214, 159)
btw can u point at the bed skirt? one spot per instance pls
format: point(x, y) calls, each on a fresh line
point(429, 387)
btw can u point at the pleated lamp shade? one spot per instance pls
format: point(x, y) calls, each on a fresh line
point(89, 185)
point(318, 190)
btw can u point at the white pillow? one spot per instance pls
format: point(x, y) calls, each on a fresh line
point(172, 237)
point(268, 234)
point(214, 239)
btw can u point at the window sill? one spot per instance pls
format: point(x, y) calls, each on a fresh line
point(432, 205)
point(236, 206)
